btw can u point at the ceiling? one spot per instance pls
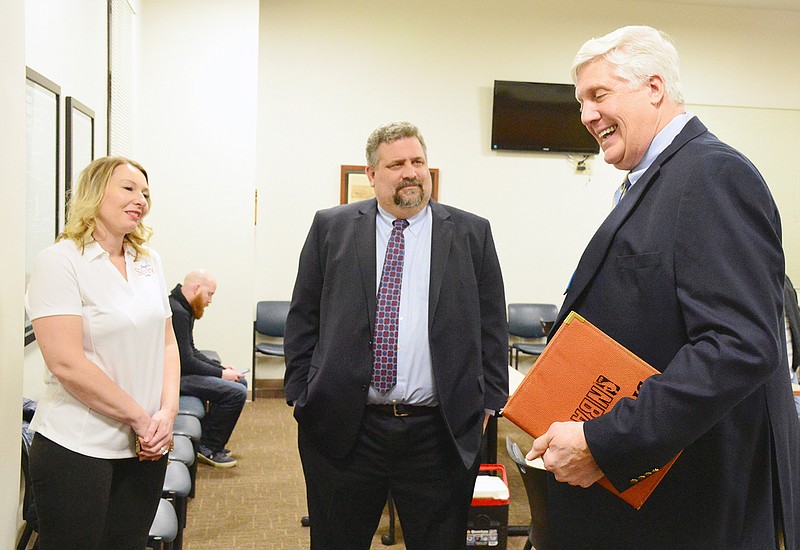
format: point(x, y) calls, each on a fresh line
point(790, 5)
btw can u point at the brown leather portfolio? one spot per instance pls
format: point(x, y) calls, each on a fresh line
point(581, 375)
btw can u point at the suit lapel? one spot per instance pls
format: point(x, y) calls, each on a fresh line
point(598, 246)
point(364, 239)
point(441, 240)
point(597, 249)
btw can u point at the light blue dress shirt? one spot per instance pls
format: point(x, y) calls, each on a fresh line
point(415, 383)
point(659, 143)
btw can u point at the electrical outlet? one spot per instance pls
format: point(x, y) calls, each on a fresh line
point(583, 169)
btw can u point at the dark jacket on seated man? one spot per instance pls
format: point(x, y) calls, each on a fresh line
point(192, 360)
point(221, 386)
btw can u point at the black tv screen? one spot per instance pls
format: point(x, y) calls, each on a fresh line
point(534, 116)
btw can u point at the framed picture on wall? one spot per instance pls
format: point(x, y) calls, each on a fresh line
point(78, 142)
point(355, 184)
point(42, 98)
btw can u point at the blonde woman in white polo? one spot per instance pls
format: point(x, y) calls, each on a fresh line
point(98, 302)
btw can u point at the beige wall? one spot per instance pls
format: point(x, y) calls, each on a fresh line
point(196, 135)
point(331, 72)
point(66, 43)
point(12, 214)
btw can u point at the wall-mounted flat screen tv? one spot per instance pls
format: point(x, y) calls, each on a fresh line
point(535, 116)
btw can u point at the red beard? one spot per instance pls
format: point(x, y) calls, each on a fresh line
point(197, 305)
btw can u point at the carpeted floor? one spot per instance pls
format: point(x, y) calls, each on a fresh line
point(259, 503)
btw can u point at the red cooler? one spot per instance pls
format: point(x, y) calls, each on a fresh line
point(488, 515)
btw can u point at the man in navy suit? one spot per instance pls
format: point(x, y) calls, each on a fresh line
point(417, 432)
point(687, 272)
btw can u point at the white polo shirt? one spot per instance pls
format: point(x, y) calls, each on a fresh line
point(123, 334)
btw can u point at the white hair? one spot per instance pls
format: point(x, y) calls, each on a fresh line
point(636, 53)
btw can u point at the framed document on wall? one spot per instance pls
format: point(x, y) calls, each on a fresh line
point(355, 184)
point(42, 98)
point(78, 142)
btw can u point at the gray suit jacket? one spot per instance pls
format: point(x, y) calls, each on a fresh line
point(328, 339)
point(687, 272)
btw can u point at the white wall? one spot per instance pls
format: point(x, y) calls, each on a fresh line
point(196, 135)
point(12, 214)
point(332, 72)
point(66, 43)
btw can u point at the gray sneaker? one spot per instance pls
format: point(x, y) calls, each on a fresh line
point(218, 459)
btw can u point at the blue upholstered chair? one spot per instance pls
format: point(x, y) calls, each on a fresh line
point(529, 321)
point(270, 322)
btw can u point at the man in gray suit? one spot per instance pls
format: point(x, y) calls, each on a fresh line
point(395, 355)
point(687, 272)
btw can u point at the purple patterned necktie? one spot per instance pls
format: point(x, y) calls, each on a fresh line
point(384, 340)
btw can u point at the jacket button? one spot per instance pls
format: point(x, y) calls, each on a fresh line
point(634, 481)
point(364, 387)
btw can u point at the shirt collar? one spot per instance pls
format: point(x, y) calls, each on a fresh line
point(415, 222)
point(93, 250)
point(659, 143)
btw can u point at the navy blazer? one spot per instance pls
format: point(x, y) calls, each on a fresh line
point(328, 337)
point(687, 272)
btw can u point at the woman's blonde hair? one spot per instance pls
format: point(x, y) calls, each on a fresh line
point(84, 204)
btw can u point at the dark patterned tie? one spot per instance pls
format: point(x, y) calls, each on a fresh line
point(384, 341)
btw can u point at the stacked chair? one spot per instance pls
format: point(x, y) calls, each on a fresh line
point(166, 532)
point(187, 438)
point(165, 527)
point(163, 531)
point(181, 478)
point(177, 486)
point(29, 515)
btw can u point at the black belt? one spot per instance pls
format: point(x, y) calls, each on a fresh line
point(397, 409)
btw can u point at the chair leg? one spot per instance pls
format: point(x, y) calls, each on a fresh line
point(253, 366)
point(177, 544)
point(181, 505)
point(193, 474)
point(26, 536)
point(388, 539)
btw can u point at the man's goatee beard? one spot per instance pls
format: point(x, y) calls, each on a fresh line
point(410, 202)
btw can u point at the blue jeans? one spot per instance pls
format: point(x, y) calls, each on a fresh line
point(227, 401)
